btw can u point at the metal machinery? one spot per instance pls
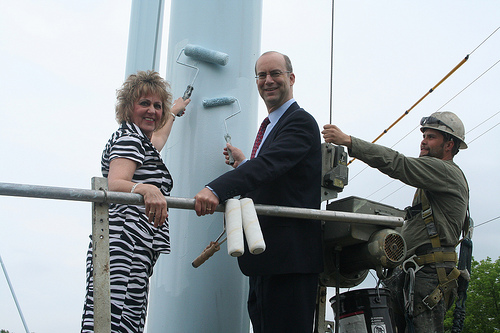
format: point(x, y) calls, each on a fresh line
point(351, 249)
point(361, 247)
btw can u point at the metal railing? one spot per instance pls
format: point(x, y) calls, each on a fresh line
point(101, 197)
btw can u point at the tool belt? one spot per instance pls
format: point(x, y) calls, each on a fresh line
point(443, 262)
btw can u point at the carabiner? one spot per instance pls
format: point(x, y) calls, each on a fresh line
point(411, 263)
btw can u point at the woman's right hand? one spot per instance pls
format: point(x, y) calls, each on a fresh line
point(179, 106)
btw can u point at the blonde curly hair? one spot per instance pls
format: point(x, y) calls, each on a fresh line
point(141, 84)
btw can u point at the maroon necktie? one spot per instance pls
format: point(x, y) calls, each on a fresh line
point(260, 134)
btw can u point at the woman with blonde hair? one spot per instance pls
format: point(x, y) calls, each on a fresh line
point(131, 162)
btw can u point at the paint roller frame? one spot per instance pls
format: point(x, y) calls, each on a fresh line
point(220, 101)
point(199, 53)
point(209, 250)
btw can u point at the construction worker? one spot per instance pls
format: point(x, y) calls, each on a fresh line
point(423, 288)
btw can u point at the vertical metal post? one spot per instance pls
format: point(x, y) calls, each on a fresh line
point(100, 260)
point(321, 324)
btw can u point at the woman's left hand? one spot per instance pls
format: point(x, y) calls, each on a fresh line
point(120, 175)
point(155, 202)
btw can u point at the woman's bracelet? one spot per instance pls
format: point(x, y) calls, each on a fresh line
point(133, 187)
point(173, 115)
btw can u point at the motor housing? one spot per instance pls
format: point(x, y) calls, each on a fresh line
point(352, 249)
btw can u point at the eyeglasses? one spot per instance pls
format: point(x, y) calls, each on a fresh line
point(273, 74)
point(433, 120)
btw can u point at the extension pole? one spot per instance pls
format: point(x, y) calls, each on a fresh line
point(14, 296)
point(420, 100)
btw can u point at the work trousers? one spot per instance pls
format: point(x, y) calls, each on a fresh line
point(427, 321)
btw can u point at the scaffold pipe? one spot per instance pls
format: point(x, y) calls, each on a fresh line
point(102, 196)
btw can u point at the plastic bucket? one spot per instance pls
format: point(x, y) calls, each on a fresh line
point(365, 310)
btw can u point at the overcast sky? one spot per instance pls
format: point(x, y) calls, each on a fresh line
point(62, 62)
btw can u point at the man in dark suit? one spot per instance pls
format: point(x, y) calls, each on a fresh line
point(284, 170)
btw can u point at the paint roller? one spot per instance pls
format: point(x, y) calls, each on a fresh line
point(240, 218)
point(251, 226)
point(233, 226)
point(197, 52)
point(219, 101)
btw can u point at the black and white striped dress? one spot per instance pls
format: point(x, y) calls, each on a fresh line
point(135, 244)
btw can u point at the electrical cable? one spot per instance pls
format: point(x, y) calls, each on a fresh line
point(404, 185)
point(380, 188)
point(393, 192)
point(483, 133)
point(486, 120)
point(484, 40)
point(432, 89)
point(481, 123)
point(421, 98)
point(392, 181)
point(468, 85)
point(405, 136)
point(440, 109)
point(450, 101)
point(483, 223)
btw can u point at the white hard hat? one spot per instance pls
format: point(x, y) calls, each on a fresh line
point(447, 122)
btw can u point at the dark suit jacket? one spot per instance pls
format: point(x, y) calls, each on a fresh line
point(287, 172)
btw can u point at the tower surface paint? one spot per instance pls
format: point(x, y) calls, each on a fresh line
point(212, 297)
point(144, 40)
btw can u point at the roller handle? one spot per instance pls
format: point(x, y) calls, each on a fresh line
point(231, 158)
point(207, 253)
point(188, 92)
point(229, 153)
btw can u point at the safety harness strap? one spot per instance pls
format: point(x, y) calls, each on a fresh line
point(446, 281)
point(436, 257)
